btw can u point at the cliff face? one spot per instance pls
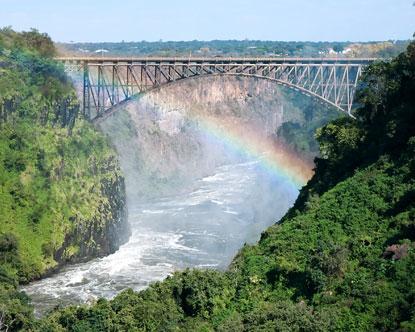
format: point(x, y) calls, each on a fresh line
point(162, 137)
point(106, 230)
point(62, 197)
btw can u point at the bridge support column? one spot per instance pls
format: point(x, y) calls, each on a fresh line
point(86, 100)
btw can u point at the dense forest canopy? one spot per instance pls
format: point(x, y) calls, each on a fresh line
point(32, 83)
point(254, 48)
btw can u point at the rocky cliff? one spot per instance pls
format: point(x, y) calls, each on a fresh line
point(163, 137)
point(103, 232)
point(159, 135)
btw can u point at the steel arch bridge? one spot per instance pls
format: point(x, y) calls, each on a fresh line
point(108, 82)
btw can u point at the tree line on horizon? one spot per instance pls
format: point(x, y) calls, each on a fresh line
point(254, 48)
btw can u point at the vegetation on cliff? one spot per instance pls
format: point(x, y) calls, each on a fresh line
point(343, 259)
point(61, 192)
point(302, 117)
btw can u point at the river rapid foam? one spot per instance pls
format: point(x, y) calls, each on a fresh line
point(202, 227)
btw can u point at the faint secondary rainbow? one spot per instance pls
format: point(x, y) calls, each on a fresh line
point(247, 140)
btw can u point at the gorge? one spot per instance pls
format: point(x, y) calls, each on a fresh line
point(206, 172)
point(250, 207)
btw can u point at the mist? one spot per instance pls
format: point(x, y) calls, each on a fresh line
point(193, 198)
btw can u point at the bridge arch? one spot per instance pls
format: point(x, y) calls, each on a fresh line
point(111, 82)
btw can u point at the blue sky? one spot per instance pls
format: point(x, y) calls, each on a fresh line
point(135, 20)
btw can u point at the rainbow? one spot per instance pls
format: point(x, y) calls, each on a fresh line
point(249, 141)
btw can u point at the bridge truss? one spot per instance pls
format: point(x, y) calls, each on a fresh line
point(108, 82)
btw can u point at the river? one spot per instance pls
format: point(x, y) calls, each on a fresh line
point(203, 227)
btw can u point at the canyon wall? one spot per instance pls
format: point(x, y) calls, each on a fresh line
point(164, 137)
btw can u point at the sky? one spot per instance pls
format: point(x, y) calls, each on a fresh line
point(136, 20)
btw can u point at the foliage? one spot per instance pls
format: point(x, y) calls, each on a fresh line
point(56, 174)
point(385, 125)
point(32, 86)
point(302, 116)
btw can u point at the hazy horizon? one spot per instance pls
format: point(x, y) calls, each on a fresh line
point(183, 20)
point(226, 40)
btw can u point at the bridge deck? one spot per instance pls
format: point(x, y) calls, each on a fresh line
point(215, 60)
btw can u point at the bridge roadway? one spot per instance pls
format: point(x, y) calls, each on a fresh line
point(215, 60)
point(110, 81)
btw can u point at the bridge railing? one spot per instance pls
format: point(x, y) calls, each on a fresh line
point(98, 59)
